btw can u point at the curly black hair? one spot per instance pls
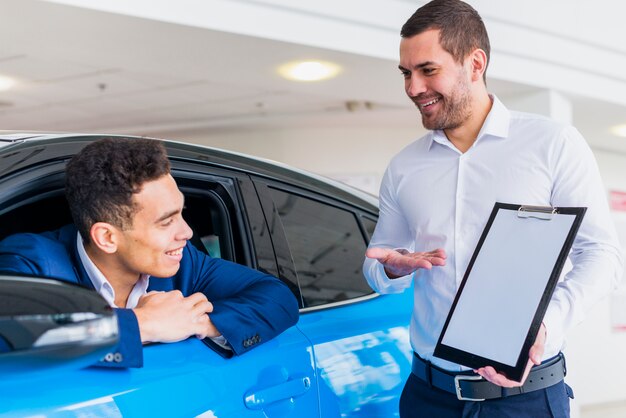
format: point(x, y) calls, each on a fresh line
point(101, 179)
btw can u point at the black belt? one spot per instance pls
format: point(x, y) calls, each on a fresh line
point(468, 386)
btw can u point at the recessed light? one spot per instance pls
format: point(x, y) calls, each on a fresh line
point(619, 130)
point(6, 83)
point(309, 70)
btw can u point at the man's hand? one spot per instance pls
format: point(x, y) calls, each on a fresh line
point(170, 317)
point(534, 358)
point(399, 263)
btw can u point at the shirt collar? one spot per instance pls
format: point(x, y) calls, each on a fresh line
point(496, 125)
point(102, 285)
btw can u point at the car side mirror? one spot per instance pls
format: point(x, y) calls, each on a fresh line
point(48, 323)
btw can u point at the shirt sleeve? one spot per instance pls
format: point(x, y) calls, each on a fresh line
point(597, 263)
point(392, 232)
point(221, 341)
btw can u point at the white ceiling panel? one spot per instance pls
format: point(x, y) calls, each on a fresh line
point(80, 69)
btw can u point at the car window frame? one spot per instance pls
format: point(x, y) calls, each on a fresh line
point(248, 193)
point(31, 185)
point(219, 188)
point(43, 180)
point(286, 265)
point(246, 211)
point(249, 214)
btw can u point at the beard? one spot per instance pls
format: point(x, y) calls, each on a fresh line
point(455, 108)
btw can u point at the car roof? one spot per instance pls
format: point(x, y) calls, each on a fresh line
point(64, 145)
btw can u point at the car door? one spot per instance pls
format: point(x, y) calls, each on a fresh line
point(360, 339)
point(183, 379)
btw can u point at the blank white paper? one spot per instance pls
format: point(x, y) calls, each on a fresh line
point(502, 293)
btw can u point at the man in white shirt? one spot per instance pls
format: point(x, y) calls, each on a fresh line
point(436, 197)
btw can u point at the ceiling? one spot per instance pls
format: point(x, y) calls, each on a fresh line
point(90, 71)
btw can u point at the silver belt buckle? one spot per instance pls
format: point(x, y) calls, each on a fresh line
point(457, 386)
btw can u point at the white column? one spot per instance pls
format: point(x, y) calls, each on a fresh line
point(544, 102)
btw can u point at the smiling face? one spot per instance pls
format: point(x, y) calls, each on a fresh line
point(154, 243)
point(439, 86)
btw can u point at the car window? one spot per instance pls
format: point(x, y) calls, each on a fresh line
point(327, 247)
point(34, 204)
point(41, 206)
point(223, 210)
point(369, 226)
point(213, 215)
point(205, 216)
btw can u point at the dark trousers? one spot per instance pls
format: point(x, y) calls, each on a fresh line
point(420, 401)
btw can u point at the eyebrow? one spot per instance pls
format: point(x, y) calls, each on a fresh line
point(418, 66)
point(170, 213)
point(167, 215)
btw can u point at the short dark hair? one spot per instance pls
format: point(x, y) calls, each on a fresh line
point(461, 29)
point(101, 179)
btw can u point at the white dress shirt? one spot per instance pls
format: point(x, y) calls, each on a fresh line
point(433, 196)
point(102, 285)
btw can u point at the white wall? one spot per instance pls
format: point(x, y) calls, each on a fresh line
point(596, 353)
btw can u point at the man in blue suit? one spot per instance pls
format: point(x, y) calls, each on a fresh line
point(129, 242)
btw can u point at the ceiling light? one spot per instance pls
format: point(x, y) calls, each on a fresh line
point(619, 130)
point(309, 70)
point(6, 83)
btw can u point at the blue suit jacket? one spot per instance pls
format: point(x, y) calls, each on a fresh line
point(249, 307)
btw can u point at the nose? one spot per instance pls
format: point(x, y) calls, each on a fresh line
point(185, 232)
point(414, 85)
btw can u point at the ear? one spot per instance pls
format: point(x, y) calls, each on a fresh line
point(478, 64)
point(104, 236)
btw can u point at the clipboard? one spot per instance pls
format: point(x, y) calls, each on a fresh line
point(506, 289)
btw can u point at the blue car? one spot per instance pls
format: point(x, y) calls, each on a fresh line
point(348, 356)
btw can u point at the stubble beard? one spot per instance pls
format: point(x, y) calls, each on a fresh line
point(455, 111)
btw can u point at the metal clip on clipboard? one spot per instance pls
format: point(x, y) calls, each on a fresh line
point(540, 212)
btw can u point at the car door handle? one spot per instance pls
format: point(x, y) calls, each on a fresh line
point(292, 388)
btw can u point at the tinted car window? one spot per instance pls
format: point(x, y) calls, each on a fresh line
point(369, 226)
point(203, 216)
point(213, 213)
point(327, 247)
